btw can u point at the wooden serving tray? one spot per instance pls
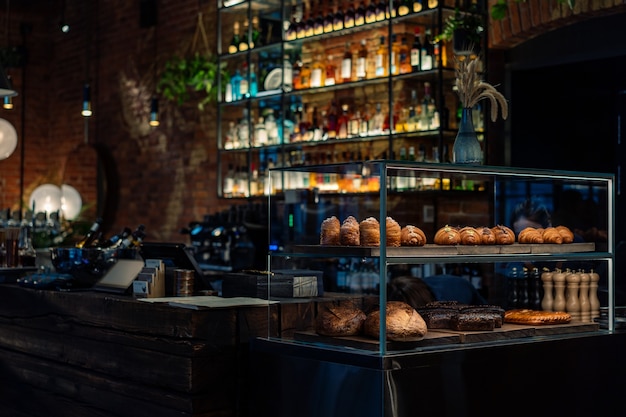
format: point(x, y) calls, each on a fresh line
point(447, 250)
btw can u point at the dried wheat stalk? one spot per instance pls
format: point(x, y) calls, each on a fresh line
point(471, 88)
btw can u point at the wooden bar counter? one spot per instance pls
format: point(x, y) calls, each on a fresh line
point(93, 354)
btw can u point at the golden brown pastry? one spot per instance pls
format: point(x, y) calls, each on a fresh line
point(469, 236)
point(487, 237)
point(394, 235)
point(349, 234)
point(447, 235)
point(530, 235)
point(340, 320)
point(330, 231)
point(504, 235)
point(403, 323)
point(551, 235)
point(412, 236)
point(370, 232)
point(526, 316)
point(566, 234)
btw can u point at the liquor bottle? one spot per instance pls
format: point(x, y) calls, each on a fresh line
point(256, 33)
point(318, 26)
point(401, 180)
point(354, 125)
point(236, 81)
point(318, 72)
point(427, 116)
point(364, 124)
point(395, 55)
point(271, 127)
point(405, 57)
point(330, 17)
point(26, 251)
point(136, 237)
point(349, 16)
point(370, 12)
point(254, 82)
point(305, 74)
point(427, 52)
point(287, 74)
point(116, 240)
point(412, 179)
point(359, 14)
point(296, 72)
point(331, 121)
point(243, 39)
point(260, 133)
point(234, 43)
point(416, 51)
point(404, 7)
point(91, 234)
point(301, 28)
point(330, 72)
point(342, 123)
point(315, 125)
point(309, 27)
point(243, 130)
point(381, 61)
point(376, 123)
point(432, 4)
point(292, 31)
point(417, 6)
point(338, 18)
point(346, 65)
point(381, 10)
point(244, 90)
point(361, 62)
point(413, 120)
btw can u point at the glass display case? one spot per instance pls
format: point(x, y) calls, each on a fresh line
point(572, 276)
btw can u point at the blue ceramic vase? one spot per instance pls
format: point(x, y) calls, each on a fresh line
point(466, 149)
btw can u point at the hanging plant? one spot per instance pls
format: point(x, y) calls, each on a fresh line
point(187, 78)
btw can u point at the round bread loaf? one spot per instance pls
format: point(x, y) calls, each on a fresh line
point(340, 320)
point(412, 236)
point(330, 231)
point(349, 232)
point(404, 324)
point(394, 234)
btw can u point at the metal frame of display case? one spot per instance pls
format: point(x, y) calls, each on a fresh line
point(387, 172)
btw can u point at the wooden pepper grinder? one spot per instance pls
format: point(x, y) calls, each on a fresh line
point(594, 302)
point(572, 304)
point(558, 277)
point(585, 308)
point(548, 299)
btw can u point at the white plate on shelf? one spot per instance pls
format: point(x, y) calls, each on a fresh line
point(274, 79)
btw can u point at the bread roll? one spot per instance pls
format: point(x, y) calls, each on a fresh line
point(370, 232)
point(447, 235)
point(330, 231)
point(487, 237)
point(340, 320)
point(530, 235)
point(551, 235)
point(412, 236)
point(403, 323)
point(393, 232)
point(349, 234)
point(504, 235)
point(566, 234)
point(469, 236)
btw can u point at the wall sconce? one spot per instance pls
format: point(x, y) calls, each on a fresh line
point(8, 139)
point(154, 112)
point(86, 101)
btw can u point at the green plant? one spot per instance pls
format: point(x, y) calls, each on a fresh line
point(501, 7)
point(184, 76)
point(471, 23)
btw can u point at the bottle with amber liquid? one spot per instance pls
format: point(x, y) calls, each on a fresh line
point(91, 235)
point(330, 72)
point(395, 55)
point(234, 43)
point(329, 18)
point(405, 57)
point(370, 12)
point(346, 65)
point(361, 61)
point(338, 18)
point(318, 72)
point(349, 16)
point(243, 38)
point(359, 14)
point(381, 59)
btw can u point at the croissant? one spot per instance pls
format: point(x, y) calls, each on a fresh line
point(330, 230)
point(566, 234)
point(530, 235)
point(447, 236)
point(504, 235)
point(393, 232)
point(370, 232)
point(412, 236)
point(469, 236)
point(551, 235)
point(349, 234)
point(487, 237)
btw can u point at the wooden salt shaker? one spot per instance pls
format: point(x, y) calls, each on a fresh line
point(558, 277)
point(548, 298)
point(594, 302)
point(583, 297)
point(572, 303)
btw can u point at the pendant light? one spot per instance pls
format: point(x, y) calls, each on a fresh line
point(154, 112)
point(86, 112)
point(6, 90)
point(8, 100)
